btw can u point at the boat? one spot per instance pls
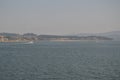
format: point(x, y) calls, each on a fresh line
point(31, 42)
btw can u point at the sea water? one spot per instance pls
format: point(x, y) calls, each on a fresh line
point(75, 60)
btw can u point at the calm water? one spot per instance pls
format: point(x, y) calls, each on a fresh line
point(60, 61)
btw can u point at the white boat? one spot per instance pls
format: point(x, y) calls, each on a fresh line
point(31, 42)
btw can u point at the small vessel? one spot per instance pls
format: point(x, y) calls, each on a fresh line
point(31, 42)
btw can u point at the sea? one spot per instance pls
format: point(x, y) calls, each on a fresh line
point(60, 60)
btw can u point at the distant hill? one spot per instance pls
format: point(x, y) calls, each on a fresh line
point(9, 34)
point(113, 34)
point(34, 37)
point(56, 37)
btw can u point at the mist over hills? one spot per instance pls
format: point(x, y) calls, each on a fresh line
point(113, 34)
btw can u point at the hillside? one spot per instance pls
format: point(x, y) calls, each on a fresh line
point(113, 34)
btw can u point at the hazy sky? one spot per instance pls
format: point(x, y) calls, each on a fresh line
point(59, 16)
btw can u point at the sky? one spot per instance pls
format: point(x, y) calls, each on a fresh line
point(59, 16)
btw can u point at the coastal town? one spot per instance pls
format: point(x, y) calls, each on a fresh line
point(13, 37)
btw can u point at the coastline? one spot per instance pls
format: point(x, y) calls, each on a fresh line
point(14, 41)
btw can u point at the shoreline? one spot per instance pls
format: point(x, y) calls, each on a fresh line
point(54, 41)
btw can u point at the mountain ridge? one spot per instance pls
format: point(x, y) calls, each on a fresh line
point(112, 34)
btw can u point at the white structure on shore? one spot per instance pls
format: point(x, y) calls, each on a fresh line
point(3, 39)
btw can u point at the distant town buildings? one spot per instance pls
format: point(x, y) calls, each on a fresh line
point(8, 37)
point(3, 39)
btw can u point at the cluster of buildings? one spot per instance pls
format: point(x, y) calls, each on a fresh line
point(8, 37)
point(12, 37)
point(3, 39)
